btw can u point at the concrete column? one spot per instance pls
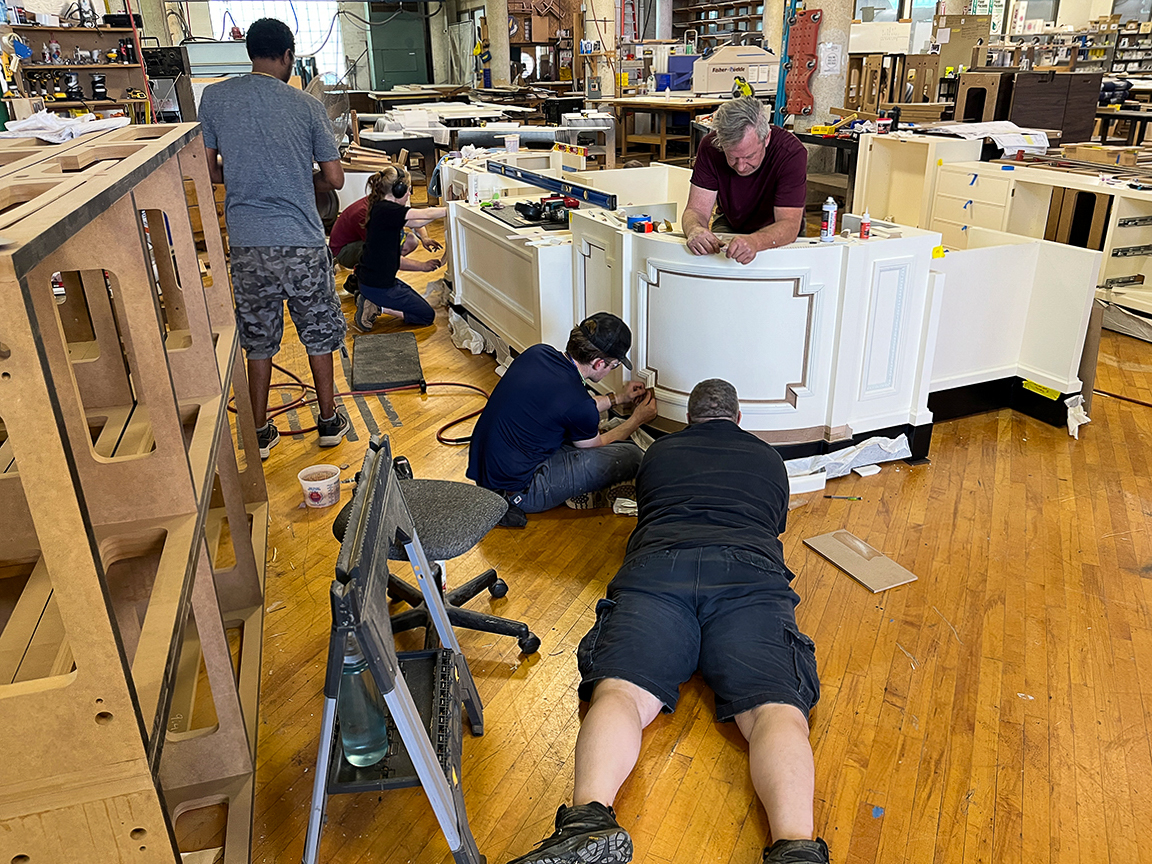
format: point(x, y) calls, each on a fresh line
point(663, 16)
point(496, 12)
point(355, 39)
point(827, 88)
point(441, 44)
point(155, 19)
point(600, 24)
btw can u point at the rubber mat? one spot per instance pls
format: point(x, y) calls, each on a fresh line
point(384, 360)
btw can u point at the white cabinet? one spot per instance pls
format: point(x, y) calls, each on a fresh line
point(896, 174)
point(972, 194)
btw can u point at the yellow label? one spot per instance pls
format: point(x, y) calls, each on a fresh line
point(938, 252)
point(1046, 392)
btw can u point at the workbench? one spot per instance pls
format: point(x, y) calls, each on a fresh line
point(660, 107)
point(1137, 124)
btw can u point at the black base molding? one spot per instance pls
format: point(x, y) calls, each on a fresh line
point(919, 440)
point(994, 395)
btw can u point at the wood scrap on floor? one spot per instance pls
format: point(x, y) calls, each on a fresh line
point(870, 567)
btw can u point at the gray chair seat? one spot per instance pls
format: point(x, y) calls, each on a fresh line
point(450, 517)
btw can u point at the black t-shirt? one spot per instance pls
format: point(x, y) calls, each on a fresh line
point(385, 231)
point(539, 404)
point(712, 484)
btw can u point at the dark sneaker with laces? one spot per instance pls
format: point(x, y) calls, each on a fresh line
point(585, 834)
point(797, 852)
point(514, 517)
point(268, 436)
point(352, 285)
point(333, 431)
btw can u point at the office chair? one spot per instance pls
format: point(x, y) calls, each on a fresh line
point(451, 519)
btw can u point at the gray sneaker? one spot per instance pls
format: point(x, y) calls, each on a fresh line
point(366, 314)
point(585, 834)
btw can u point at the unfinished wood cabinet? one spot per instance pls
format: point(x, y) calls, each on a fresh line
point(133, 506)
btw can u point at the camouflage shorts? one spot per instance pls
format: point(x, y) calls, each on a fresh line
point(263, 277)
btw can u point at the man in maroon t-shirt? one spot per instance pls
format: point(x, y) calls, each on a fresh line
point(759, 173)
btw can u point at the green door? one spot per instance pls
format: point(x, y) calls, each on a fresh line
point(399, 47)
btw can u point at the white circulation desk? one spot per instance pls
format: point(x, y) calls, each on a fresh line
point(825, 342)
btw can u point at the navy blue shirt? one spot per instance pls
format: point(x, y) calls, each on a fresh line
point(712, 484)
point(538, 406)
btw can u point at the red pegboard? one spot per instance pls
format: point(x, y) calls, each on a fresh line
point(803, 33)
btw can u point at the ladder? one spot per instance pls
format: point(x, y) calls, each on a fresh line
point(628, 32)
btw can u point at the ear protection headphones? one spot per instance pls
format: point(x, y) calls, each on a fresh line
point(400, 187)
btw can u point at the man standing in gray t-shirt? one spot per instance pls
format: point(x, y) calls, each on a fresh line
point(268, 135)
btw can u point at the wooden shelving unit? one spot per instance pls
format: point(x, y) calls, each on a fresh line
point(133, 504)
point(119, 77)
point(1133, 52)
point(717, 21)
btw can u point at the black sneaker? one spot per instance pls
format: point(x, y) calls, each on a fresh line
point(267, 436)
point(352, 285)
point(797, 852)
point(514, 517)
point(585, 834)
point(333, 431)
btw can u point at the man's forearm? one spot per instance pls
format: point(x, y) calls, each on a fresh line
point(775, 235)
point(620, 433)
point(690, 221)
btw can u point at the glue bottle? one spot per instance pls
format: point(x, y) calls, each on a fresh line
point(828, 221)
point(865, 225)
point(360, 707)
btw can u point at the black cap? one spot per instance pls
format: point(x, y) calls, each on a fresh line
point(609, 334)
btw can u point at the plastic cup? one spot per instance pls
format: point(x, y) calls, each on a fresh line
point(321, 484)
point(512, 143)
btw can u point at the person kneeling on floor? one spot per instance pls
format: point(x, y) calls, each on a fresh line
point(387, 214)
point(346, 241)
point(703, 586)
point(538, 441)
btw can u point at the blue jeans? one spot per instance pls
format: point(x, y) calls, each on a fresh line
point(574, 470)
point(402, 298)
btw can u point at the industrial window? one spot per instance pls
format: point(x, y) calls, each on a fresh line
point(313, 21)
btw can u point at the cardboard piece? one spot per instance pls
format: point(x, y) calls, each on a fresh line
point(870, 567)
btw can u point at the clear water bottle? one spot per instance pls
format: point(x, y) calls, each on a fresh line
point(360, 707)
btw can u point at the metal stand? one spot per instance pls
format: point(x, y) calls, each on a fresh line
point(428, 748)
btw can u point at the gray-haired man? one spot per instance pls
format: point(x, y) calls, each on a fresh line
point(759, 175)
point(703, 586)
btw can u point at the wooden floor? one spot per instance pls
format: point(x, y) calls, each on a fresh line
point(995, 710)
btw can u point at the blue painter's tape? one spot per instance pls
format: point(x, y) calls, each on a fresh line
point(877, 812)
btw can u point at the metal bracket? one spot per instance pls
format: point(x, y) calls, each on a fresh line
point(1121, 281)
point(553, 184)
point(1132, 251)
point(1134, 222)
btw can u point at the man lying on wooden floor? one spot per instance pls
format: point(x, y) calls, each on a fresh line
point(703, 586)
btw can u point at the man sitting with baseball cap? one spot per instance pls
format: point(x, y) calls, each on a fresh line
point(538, 442)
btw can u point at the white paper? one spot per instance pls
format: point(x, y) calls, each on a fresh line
point(943, 35)
point(841, 462)
point(1007, 135)
point(830, 58)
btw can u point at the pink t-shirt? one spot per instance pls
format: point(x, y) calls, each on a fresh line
point(747, 202)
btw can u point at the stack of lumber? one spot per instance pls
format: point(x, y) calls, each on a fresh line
point(357, 158)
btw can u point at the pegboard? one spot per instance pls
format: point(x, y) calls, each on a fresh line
point(803, 35)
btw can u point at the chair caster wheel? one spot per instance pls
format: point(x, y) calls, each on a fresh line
point(498, 588)
point(529, 644)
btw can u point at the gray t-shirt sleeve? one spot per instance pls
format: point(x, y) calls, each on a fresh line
point(324, 147)
point(207, 116)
